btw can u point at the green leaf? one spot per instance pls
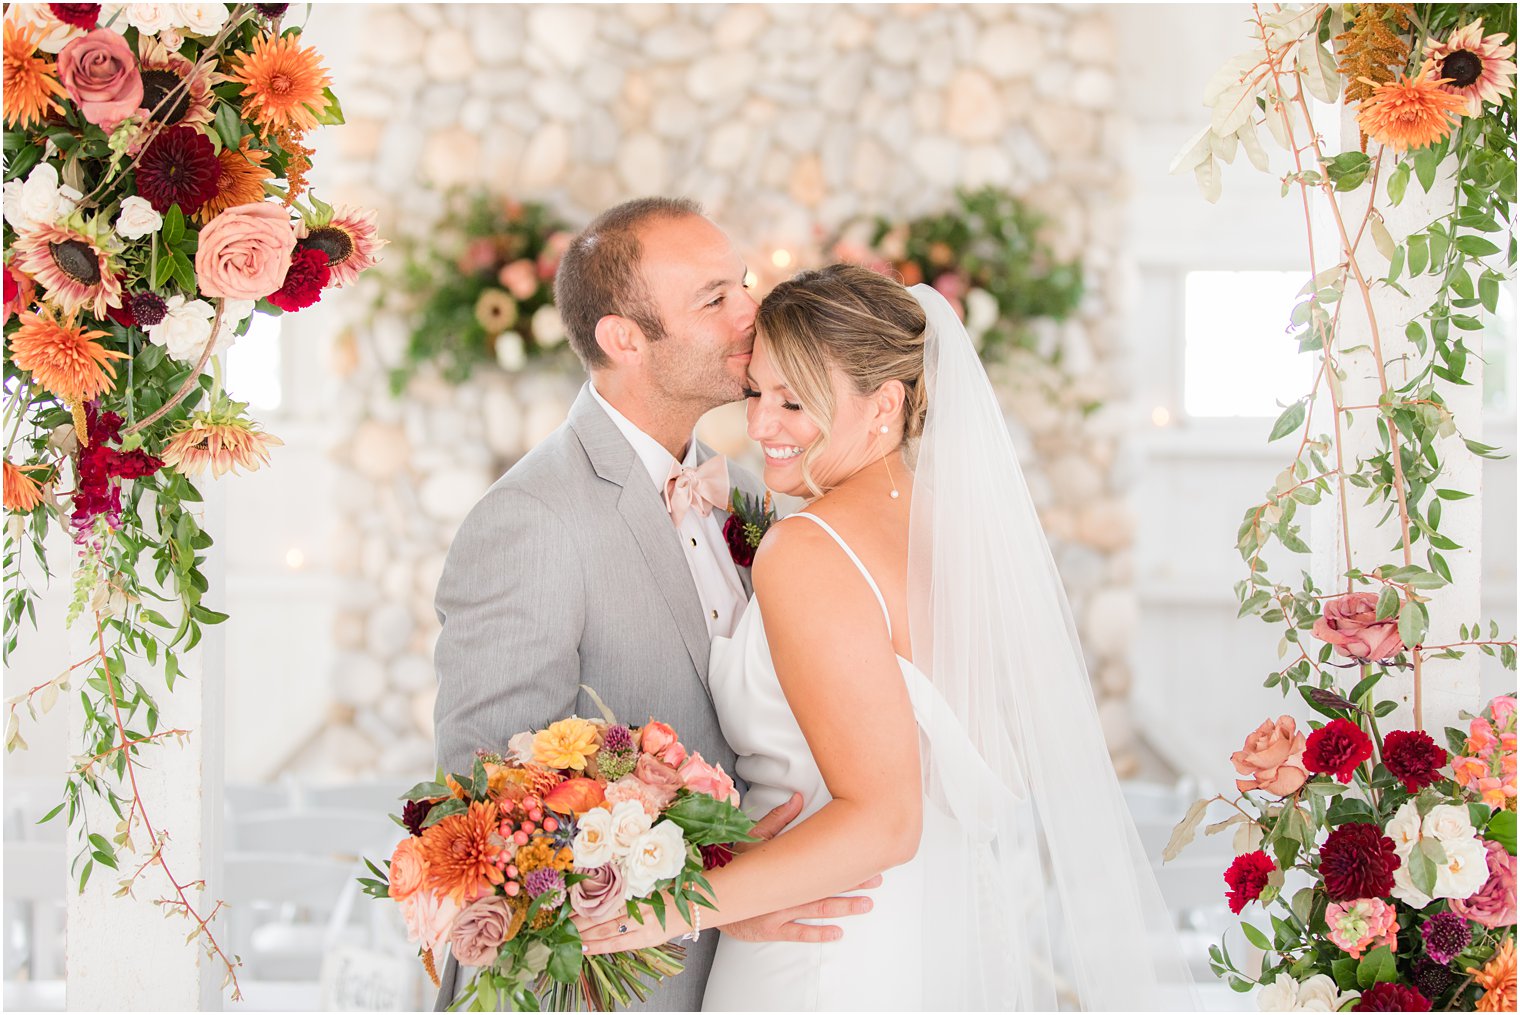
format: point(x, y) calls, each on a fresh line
point(1422, 867)
point(1367, 683)
point(1476, 246)
point(1377, 966)
point(229, 125)
point(174, 226)
point(565, 961)
point(1344, 971)
point(1256, 937)
point(1290, 420)
point(1387, 606)
point(707, 821)
point(1413, 623)
point(1398, 182)
point(451, 806)
point(1501, 829)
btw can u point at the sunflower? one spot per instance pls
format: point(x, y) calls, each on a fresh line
point(63, 357)
point(163, 73)
point(30, 84)
point(348, 239)
point(71, 259)
point(220, 440)
point(241, 181)
point(1413, 111)
point(22, 492)
point(283, 83)
point(461, 853)
point(1475, 66)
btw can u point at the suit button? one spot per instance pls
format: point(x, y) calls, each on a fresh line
point(693, 541)
point(715, 614)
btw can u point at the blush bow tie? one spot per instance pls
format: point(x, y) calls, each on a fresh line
point(703, 488)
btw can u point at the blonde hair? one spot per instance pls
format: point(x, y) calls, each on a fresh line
point(849, 317)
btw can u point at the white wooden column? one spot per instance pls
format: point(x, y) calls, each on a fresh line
point(125, 954)
point(1447, 685)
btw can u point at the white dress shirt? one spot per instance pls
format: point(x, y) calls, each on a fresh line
point(712, 566)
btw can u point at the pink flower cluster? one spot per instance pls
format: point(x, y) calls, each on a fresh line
point(1487, 767)
point(1361, 925)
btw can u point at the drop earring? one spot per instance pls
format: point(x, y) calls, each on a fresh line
point(885, 429)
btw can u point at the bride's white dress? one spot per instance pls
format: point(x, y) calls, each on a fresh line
point(877, 965)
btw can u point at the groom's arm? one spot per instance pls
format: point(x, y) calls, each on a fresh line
point(512, 607)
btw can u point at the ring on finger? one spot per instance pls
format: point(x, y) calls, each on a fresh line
point(622, 928)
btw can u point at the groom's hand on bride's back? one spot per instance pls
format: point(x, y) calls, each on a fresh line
point(782, 925)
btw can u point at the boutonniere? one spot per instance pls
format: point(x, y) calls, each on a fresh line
point(749, 518)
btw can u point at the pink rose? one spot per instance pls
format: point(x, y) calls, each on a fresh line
point(951, 286)
point(1349, 623)
point(408, 868)
point(660, 740)
point(1502, 708)
point(245, 252)
point(428, 919)
point(479, 932)
point(478, 256)
point(1272, 759)
point(600, 895)
point(1493, 905)
point(99, 71)
point(664, 781)
point(700, 777)
point(520, 278)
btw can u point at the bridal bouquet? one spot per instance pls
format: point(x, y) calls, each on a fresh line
point(583, 817)
point(1385, 862)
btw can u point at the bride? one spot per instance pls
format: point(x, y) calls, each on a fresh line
point(909, 666)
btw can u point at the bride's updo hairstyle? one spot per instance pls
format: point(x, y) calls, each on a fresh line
point(851, 318)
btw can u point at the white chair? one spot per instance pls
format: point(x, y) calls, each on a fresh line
point(381, 797)
point(344, 835)
point(285, 912)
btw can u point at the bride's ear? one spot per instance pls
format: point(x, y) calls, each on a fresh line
point(888, 401)
point(619, 338)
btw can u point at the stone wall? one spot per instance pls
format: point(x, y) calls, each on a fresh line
point(783, 121)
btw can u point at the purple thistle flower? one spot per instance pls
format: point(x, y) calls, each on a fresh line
point(1446, 934)
point(546, 880)
point(617, 739)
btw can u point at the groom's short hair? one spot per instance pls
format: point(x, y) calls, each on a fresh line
point(600, 274)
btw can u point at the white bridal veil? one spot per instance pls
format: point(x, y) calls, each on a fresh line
point(1053, 903)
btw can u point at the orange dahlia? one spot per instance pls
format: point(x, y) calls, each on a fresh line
point(461, 853)
point(63, 357)
point(221, 440)
point(349, 239)
point(1413, 111)
point(241, 182)
point(30, 84)
point(22, 492)
point(1497, 979)
point(1475, 66)
point(72, 261)
point(283, 83)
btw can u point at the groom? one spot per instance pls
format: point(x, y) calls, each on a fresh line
point(599, 558)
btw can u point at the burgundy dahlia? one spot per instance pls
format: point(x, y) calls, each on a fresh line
point(1357, 861)
point(719, 854)
point(738, 542)
point(179, 167)
point(414, 814)
point(1391, 997)
point(1446, 934)
point(1336, 749)
point(84, 16)
point(1413, 758)
point(304, 281)
point(1247, 877)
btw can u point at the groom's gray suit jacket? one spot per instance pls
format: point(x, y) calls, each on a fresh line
point(569, 572)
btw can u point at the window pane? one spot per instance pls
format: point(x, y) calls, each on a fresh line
point(253, 364)
point(1237, 357)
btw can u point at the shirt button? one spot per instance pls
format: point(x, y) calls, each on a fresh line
point(694, 541)
point(715, 614)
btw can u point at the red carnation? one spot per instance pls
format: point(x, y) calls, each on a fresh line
point(1391, 997)
point(1247, 877)
point(304, 282)
point(84, 16)
point(134, 464)
point(1337, 749)
point(717, 855)
point(1357, 861)
point(179, 167)
point(1413, 758)
point(738, 542)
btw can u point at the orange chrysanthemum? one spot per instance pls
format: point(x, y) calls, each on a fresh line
point(63, 357)
point(30, 84)
point(22, 492)
point(283, 84)
point(219, 441)
point(1497, 979)
point(241, 182)
point(461, 853)
point(1413, 111)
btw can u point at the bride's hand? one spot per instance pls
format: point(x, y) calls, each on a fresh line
point(625, 933)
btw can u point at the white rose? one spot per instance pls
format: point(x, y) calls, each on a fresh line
point(1447, 823)
point(981, 311)
point(592, 846)
point(1319, 993)
point(511, 354)
point(1465, 870)
point(171, 40)
point(521, 748)
point(548, 326)
point(51, 33)
point(1404, 828)
point(658, 854)
point(201, 19)
point(137, 219)
point(38, 200)
point(149, 19)
point(186, 327)
point(235, 311)
point(629, 823)
point(1279, 995)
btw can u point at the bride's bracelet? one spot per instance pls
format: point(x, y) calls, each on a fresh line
point(696, 925)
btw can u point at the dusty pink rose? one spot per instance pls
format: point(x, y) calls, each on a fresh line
point(660, 740)
point(428, 919)
point(1349, 623)
point(245, 252)
point(1272, 759)
point(99, 71)
point(520, 278)
point(630, 788)
point(480, 930)
point(600, 895)
point(700, 777)
point(1493, 905)
point(408, 868)
point(663, 780)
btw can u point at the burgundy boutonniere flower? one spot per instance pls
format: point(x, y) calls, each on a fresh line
point(748, 521)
